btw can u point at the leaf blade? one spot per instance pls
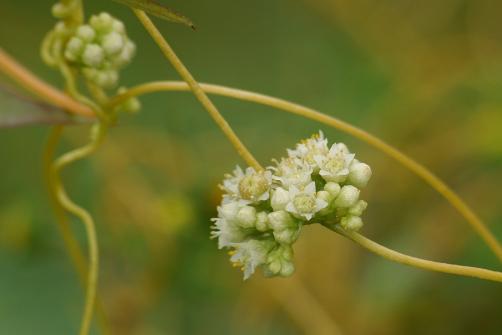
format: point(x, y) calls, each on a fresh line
point(18, 110)
point(154, 8)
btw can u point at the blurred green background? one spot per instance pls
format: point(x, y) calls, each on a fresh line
point(425, 76)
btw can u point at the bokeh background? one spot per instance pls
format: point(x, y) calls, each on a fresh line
point(425, 76)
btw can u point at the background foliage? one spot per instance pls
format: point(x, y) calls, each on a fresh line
point(425, 76)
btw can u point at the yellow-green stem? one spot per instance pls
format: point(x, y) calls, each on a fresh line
point(392, 255)
point(71, 244)
point(86, 218)
point(310, 113)
point(195, 88)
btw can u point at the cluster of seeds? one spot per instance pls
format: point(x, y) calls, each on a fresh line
point(262, 212)
point(100, 49)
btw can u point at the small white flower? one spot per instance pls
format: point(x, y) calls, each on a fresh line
point(227, 232)
point(334, 166)
point(304, 203)
point(308, 149)
point(293, 172)
point(226, 228)
point(250, 186)
point(250, 254)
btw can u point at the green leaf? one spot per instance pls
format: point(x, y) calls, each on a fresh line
point(159, 10)
point(17, 110)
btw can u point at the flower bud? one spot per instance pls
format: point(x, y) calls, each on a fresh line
point(287, 269)
point(348, 196)
point(86, 33)
point(332, 188)
point(359, 175)
point(280, 199)
point(358, 208)
point(287, 236)
point(74, 49)
point(280, 220)
point(325, 196)
point(246, 217)
point(262, 222)
point(113, 43)
point(103, 22)
point(351, 223)
point(93, 55)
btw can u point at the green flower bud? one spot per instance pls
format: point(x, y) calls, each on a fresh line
point(287, 236)
point(279, 262)
point(281, 220)
point(113, 43)
point(332, 188)
point(358, 208)
point(125, 55)
point(287, 269)
point(93, 55)
point(102, 23)
point(86, 33)
point(262, 222)
point(348, 196)
point(351, 223)
point(74, 49)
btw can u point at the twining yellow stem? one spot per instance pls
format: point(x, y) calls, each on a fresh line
point(70, 206)
point(306, 112)
point(466, 271)
point(195, 88)
point(71, 244)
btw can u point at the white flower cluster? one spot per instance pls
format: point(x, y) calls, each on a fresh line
point(262, 212)
point(100, 49)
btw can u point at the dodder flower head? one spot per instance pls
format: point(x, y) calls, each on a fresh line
point(262, 212)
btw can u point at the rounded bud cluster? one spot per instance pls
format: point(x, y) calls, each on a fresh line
point(262, 212)
point(100, 49)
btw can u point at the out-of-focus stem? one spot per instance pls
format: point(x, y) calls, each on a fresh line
point(71, 244)
point(81, 213)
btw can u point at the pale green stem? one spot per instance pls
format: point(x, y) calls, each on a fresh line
point(70, 206)
point(380, 250)
point(195, 88)
point(309, 113)
point(71, 244)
